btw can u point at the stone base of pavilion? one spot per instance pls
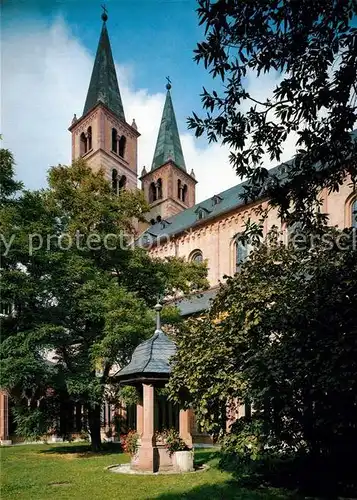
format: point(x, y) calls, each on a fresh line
point(153, 456)
point(127, 469)
point(152, 459)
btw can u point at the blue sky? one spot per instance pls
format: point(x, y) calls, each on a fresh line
point(155, 37)
point(48, 53)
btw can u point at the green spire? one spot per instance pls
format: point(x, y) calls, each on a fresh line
point(168, 144)
point(103, 85)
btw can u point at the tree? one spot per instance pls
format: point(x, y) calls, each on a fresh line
point(9, 186)
point(82, 293)
point(310, 48)
point(282, 334)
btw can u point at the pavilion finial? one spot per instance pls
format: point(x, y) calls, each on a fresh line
point(168, 85)
point(104, 13)
point(158, 308)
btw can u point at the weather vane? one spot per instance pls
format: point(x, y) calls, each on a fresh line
point(104, 13)
point(168, 85)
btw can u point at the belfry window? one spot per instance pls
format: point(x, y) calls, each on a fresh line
point(89, 138)
point(115, 181)
point(83, 144)
point(122, 144)
point(152, 193)
point(114, 140)
point(159, 189)
point(184, 193)
point(181, 191)
point(354, 213)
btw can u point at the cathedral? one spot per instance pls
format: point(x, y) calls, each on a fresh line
point(176, 225)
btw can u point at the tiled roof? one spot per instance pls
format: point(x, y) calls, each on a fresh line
point(103, 85)
point(219, 204)
point(196, 303)
point(150, 357)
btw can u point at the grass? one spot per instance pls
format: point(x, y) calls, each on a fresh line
point(61, 472)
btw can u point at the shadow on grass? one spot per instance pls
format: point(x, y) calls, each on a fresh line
point(202, 456)
point(224, 491)
point(84, 450)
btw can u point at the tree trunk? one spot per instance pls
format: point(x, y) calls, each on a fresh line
point(94, 427)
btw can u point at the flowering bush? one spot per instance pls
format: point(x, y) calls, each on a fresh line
point(130, 442)
point(172, 441)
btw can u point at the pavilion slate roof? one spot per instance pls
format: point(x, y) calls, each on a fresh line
point(150, 357)
point(168, 144)
point(103, 86)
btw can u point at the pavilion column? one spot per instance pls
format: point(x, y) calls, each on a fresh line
point(149, 413)
point(185, 426)
point(139, 417)
point(147, 458)
point(4, 418)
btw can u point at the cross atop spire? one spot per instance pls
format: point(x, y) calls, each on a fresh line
point(168, 145)
point(104, 13)
point(103, 85)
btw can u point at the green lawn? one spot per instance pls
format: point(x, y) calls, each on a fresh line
point(39, 472)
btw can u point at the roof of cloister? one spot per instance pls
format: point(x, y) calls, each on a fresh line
point(217, 205)
point(151, 357)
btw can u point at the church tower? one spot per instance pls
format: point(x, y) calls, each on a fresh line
point(101, 135)
point(168, 187)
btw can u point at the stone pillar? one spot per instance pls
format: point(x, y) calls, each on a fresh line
point(185, 426)
point(147, 458)
point(140, 417)
point(4, 418)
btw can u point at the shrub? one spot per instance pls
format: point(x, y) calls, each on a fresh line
point(130, 442)
point(30, 423)
point(173, 441)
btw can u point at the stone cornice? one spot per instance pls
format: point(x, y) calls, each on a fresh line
point(109, 114)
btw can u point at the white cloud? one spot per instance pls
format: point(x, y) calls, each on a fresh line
point(45, 77)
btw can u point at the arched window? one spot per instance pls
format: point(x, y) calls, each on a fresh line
point(159, 189)
point(184, 193)
point(196, 256)
point(83, 144)
point(122, 183)
point(152, 193)
point(89, 138)
point(179, 188)
point(354, 213)
point(114, 140)
point(241, 251)
point(115, 181)
point(122, 144)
